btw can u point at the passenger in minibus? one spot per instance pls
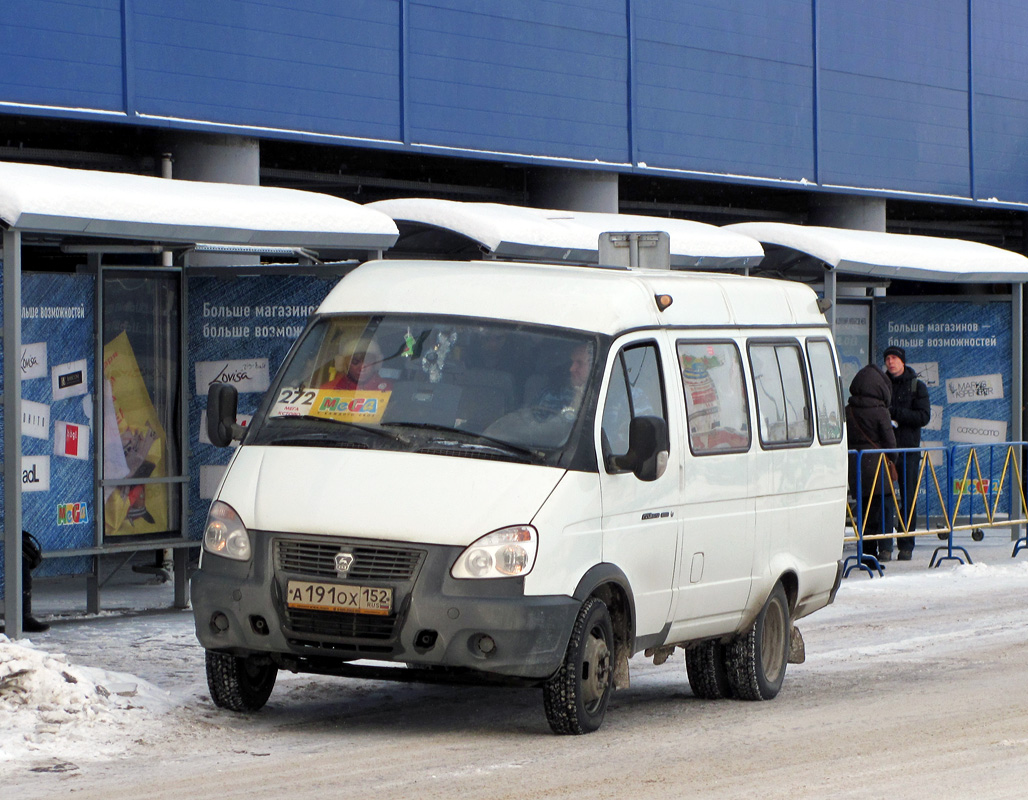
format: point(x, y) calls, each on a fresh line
point(357, 364)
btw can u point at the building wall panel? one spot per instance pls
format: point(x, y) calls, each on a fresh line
point(1000, 63)
point(893, 88)
point(319, 66)
point(540, 79)
point(65, 53)
point(725, 86)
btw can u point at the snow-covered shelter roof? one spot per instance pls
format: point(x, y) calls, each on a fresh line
point(893, 255)
point(514, 232)
point(73, 202)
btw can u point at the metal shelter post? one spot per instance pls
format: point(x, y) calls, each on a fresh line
point(12, 434)
point(180, 556)
point(1017, 379)
point(94, 261)
point(830, 297)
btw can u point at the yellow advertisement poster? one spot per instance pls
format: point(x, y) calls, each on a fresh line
point(350, 406)
point(137, 449)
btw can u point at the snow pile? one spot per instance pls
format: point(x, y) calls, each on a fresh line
point(53, 711)
point(918, 616)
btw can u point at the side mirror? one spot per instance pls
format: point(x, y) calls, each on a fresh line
point(222, 400)
point(647, 448)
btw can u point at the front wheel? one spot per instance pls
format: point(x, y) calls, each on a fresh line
point(756, 659)
point(239, 683)
point(576, 697)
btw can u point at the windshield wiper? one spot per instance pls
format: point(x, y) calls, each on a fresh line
point(497, 445)
point(326, 421)
point(316, 440)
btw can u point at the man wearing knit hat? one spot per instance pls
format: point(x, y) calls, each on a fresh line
point(911, 408)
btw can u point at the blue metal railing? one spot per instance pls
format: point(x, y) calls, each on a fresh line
point(962, 485)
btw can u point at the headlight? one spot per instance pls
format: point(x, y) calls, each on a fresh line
point(225, 534)
point(501, 554)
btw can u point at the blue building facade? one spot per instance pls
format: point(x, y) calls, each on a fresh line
point(917, 98)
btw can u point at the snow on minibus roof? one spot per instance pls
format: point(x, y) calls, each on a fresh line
point(894, 255)
point(49, 199)
point(515, 232)
point(598, 299)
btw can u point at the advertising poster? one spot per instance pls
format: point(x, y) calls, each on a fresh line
point(240, 330)
point(57, 379)
point(852, 340)
point(962, 351)
point(135, 446)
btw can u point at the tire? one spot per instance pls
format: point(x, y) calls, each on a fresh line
point(707, 671)
point(239, 683)
point(576, 697)
point(756, 660)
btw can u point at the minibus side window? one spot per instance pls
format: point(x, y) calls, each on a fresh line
point(715, 397)
point(635, 390)
point(780, 384)
point(826, 391)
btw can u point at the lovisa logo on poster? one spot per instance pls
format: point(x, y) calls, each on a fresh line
point(247, 375)
point(33, 361)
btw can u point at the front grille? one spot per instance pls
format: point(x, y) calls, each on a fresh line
point(370, 562)
point(339, 625)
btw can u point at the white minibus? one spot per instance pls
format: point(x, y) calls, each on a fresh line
point(527, 474)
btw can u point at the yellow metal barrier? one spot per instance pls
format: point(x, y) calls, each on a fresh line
point(949, 502)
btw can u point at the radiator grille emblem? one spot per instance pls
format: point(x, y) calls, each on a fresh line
point(343, 561)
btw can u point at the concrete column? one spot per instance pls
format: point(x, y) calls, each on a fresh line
point(854, 213)
point(222, 159)
point(574, 190)
point(218, 159)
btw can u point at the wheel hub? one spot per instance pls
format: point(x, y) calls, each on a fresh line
point(773, 642)
point(595, 668)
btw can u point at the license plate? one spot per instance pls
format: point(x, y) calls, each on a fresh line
point(336, 597)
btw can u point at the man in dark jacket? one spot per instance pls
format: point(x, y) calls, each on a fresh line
point(910, 409)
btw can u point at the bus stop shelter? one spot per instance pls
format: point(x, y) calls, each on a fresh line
point(964, 335)
point(99, 215)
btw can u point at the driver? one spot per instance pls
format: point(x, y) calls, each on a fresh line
point(566, 398)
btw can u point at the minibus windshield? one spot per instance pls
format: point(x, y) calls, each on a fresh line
point(481, 388)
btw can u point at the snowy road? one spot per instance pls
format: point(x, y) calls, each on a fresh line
point(914, 686)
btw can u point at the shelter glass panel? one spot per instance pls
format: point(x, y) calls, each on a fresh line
point(142, 388)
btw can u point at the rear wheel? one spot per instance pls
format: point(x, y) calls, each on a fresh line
point(239, 683)
point(708, 674)
point(756, 659)
point(576, 697)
